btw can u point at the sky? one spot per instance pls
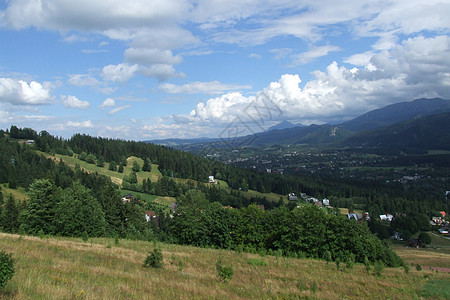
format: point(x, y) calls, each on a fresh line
point(158, 69)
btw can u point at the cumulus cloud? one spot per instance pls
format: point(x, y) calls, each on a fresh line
point(19, 92)
point(416, 68)
point(109, 102)
point(119, 73)
point(211, 87)
point(74, 102)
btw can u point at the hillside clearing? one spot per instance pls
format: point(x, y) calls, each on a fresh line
point(67, 268)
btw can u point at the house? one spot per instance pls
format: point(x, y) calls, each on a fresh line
point(318, 203)
point(387, 217)
point(437, 220)
point(292, 197)
point(127, 198)
point(211, 179)
point(30, 142)
point(352, 216)
point(443, 230)
point(150, 215)
point(443, 214)
point(326, 202)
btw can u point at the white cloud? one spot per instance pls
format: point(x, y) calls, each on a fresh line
point(211, 87)
point(117, 109)
point(82, 80)
point(74, 102)
point(313, 53)
point(160, 71)
point(82, 124)
point(119, 73)
point(254, 55)
point(19, 92)
point(416, 68)
point(109, 102)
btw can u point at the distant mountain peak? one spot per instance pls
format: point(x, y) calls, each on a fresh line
point(285, 124)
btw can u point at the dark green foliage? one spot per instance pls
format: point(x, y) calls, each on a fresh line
point(378, 268)
point(120, 170)
point(136, 166)
point(418, 267)
point(85, 236)
point(40, 212)
point(155, 259)
point(147, 167)
point(424, 239)
point(100, 162)
point(78, 211)
point(9, 217)
point(113, 166)
point(6, 268)
point(224, 273)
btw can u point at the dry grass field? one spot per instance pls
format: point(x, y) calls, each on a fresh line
point(67, 268)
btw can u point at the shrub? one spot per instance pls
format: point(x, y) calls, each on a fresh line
point(418, 267)
point(85, 236)
point(6, 268)
point(154, 260)
point(378, 268)
point(224, 273)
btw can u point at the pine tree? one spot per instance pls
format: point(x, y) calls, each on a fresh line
point(10, 216)
point(112, 207)
point(147, 167)
point(40, 213)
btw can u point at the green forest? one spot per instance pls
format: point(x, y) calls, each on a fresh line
point(69, 201)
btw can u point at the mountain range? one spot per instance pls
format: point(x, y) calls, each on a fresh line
point(418, 124)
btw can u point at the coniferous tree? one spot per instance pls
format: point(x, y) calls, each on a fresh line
point(136, 166)
point(112, 207)
point(40, 211)
point(147, 167)
point(79, 212)
point(10, 216)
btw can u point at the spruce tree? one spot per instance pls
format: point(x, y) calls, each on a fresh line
point(10, 216)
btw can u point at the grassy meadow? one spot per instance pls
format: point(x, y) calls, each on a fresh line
point(68, 268)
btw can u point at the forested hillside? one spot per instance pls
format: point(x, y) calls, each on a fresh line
point(70, 201)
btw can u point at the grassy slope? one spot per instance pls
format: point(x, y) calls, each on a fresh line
point(154, 175)
point(19, 194)
point(64, 268)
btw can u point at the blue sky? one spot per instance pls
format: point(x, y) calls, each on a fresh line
point(180, 69)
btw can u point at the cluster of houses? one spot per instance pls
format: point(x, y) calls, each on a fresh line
point(441, 221)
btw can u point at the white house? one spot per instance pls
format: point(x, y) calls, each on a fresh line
point(387, 217)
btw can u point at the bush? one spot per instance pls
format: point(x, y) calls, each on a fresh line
point(154, 260)
point(378, 268)
point(6, 268)
point(224, 273)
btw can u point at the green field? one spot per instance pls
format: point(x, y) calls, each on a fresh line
point(19, 194)
point(67, 268)
point(154, 175)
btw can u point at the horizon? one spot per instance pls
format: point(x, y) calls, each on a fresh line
point(185, 69)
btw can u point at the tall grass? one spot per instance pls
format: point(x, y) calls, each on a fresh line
point(67, 268)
